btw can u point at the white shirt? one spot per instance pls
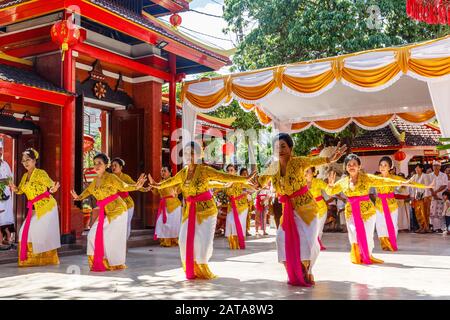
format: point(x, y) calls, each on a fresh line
point(440, 180)
point(423, 179)
point(6, 217)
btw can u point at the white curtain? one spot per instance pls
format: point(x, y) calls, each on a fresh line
point(440, 95)
point(188, 121)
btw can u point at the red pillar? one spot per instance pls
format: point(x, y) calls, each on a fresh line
point(173, 105)
point(67, 146)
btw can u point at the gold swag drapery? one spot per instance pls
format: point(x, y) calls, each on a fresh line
point(368, 88)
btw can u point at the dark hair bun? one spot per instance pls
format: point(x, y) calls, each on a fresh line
point(120, 161)
point(103, 157)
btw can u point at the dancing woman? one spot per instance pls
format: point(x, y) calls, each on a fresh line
point(360, 211)
point(117, 165)
point(168, 220)
point(387, 208)
point(39, 235)
point(262, 200)
point(200, 212)
point(317, 187)
point(297, 243)
point(235, 229)
point(107, 239)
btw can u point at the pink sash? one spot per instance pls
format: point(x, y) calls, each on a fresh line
point(388, 218)
point(319, 198)
point(237, 222)
point(99, 250)
point(292, 240)
point(192, 200)
point(26, 227)
point(258, 204)
point(355, 203)
point(123, 195)
point(162, 209)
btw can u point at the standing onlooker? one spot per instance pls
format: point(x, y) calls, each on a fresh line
point(437, 204)
point(446, 212)
point(402, 196)
point(447, 172)
point(420, 203)
point(6, 201)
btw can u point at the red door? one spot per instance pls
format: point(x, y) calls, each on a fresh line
point(127, 136)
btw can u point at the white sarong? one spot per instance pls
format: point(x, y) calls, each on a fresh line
point(114, 237)
point(44, 232)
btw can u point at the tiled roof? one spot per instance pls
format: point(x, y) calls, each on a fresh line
point(139, 19)
point(9, 3)
point(416, 135)
point(27, 78)
point(421, 135)
point(376, 139)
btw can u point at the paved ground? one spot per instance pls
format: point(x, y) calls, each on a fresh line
point(420, 270)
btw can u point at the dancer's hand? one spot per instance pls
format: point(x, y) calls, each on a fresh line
point(150, 179)
point(340, 151)
point(75, 196)
point(141, 181)
point(13, 187)
point(253, 179)
point(331, 178)
point(55, 187)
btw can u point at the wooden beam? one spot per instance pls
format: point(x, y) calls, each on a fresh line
point(34, 94)
point(116, 59)
point(172, 6)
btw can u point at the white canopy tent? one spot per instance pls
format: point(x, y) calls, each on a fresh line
point(368, 88)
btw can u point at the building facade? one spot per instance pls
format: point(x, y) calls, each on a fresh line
point(101, 93)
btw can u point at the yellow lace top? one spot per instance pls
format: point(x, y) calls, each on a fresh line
point(304, 205)
point(110, 184)
point(235, 190)
point(172, 203)
point(362, 188)
point(392, 203)
point(317, 185)
point(199, 183)
point(38, 183)
point(128, 180)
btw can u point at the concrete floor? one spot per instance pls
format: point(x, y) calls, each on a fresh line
point(420, 270)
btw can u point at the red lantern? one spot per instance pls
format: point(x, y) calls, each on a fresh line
point(66, 34)
point(175, 20)
point(429, 11)
point(228, 149)
point(399, 156)
point(88, 143)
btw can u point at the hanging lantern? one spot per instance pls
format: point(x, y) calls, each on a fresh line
point(429, 11)
point(66, 34)
point(175, 20)
point(399, 156)
point(88, 143)
point(228, 149)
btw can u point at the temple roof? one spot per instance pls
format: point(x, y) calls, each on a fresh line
point(159, 27)
point(416, 135)
point(27, 78)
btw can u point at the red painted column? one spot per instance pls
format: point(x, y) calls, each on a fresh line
point(173, 105)
point(67, 146)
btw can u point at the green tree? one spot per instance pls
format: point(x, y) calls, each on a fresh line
point(286, 31)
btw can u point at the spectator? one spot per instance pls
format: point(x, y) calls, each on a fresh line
point(6, 204)
point(446, 212)
point(437, 204)
point(420, 203)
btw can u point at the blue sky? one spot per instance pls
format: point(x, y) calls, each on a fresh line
point(205, 24)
